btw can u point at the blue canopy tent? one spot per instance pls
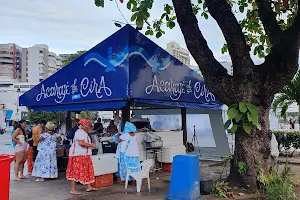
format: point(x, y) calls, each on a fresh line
point(125, 70)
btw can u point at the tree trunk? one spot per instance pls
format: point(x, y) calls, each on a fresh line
point(254, 150)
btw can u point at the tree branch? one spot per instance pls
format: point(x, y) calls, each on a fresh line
point(282, 62)
point(296, 26)
point(268, 19)
point(239, 51)
point(216, 77)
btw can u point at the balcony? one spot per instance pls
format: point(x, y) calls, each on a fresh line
point(6, 55)
point(5, 60)
point(6, 66)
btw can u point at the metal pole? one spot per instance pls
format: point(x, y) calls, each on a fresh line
point(18, 91)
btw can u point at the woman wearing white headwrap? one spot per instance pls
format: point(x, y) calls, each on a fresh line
point(129, 152)
point(45, 165)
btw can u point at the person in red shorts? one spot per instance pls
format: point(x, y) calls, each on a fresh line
point(80, 167)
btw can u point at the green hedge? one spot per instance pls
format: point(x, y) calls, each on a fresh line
point(287, 139)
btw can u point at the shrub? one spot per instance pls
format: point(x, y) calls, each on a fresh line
point(221, 189)
point(287, 139)
point(277, 186)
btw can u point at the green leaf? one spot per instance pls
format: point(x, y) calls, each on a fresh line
point(227, 124)
point(99, 3)
point(249, 117)
point(133, 17)
point(242, 9)
point(258, 126)
point(158, 34)
point(233, 128)
point(167, 9)
point(205, 15)
point(232, 113)
point(139, 22)
point(172, 24)
point(238, 117)
point(243, 107)
point(224, 49)
point(254, 114)
point(247, 127)
point(129, 5)
point(252, 109)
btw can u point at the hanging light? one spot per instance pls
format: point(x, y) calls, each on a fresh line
point(118, 25)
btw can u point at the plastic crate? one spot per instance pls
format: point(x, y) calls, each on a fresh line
point(167, 167)
point(103, 181)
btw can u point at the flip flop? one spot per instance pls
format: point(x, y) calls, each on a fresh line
point(18, 179)
point(92, 190)
point(23, 177)
point(75, 193)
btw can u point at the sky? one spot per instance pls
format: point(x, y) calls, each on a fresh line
point(67, 26)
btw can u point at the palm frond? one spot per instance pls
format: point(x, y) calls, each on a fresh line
point(288, 95)
point(284, 108)
point(279, 100)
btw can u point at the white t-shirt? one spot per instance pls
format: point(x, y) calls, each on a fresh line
point(76, 149)
point(130, 146)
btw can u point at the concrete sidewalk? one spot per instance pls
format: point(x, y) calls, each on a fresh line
point(58, 189)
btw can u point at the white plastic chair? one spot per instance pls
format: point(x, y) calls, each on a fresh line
point(140, 175)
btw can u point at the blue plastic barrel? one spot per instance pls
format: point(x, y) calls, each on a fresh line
point(185, 178)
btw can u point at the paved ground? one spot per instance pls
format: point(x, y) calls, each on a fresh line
point(58, 189)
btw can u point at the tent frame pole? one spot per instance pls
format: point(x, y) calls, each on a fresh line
point(125, 115)
point(184, 126)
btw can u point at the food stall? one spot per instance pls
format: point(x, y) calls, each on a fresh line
point(127, 71)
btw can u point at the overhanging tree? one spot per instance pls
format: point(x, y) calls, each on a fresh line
point(270, 28)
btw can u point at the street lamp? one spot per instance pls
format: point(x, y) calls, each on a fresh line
point(18, 91)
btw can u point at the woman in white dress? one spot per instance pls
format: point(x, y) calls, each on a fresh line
point(129, 153)
point(20, 150)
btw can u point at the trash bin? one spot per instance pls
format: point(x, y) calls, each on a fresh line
point(185, 178)
point(5, 161)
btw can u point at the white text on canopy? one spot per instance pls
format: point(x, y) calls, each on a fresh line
point(87, 88)
point(177, 89)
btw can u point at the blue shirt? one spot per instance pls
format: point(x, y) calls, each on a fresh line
point(13, 143)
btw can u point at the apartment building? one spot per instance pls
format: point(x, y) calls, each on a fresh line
point(40, 63)
point(32, 64)
point(10, 60)
point(178, 52)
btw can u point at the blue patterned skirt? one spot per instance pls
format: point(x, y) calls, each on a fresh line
point(45, 165)
point(127, 161)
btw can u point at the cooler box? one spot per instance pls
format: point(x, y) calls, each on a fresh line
point(105, 164)
point(109, 147)
point(169, 152)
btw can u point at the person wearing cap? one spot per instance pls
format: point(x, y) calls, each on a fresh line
point(129, 153)
point(19, 137)
point(45, 165)
point(80, 166)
